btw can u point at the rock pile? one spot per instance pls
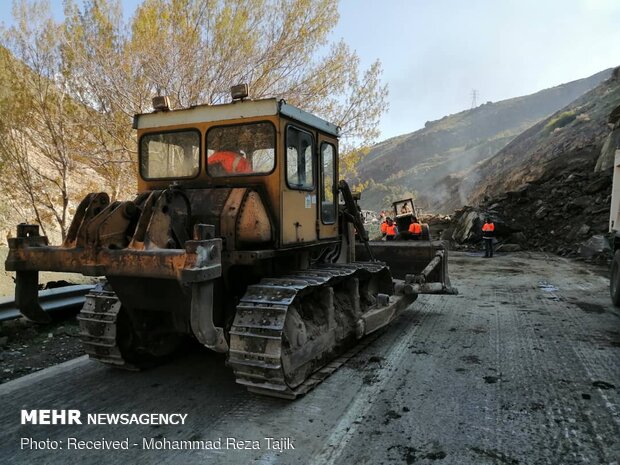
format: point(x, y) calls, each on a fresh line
point(437, 224)
point(558, 213)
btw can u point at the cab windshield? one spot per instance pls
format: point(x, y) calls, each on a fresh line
point(241, 149)
point(170, 155)
point(404, 208)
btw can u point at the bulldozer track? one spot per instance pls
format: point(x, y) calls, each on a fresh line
point(256, 337)
point(98, 328)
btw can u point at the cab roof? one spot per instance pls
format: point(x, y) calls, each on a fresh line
point(238, 109)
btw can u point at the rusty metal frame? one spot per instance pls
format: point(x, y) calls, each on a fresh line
point(183, 265)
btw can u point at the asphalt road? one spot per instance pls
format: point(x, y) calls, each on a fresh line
point(523, 367)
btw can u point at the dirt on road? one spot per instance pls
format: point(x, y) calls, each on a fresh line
point(523, 367)
point(26, 347)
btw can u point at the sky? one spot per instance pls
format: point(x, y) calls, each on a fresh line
point(434, 53)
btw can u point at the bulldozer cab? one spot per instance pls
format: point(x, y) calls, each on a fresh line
point(404, 211)
point(287, 157)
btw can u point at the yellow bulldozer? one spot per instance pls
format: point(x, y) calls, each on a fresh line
point(403, 212)
point(241, 237)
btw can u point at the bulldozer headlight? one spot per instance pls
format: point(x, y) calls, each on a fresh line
point(239, 92)
point(161, 103)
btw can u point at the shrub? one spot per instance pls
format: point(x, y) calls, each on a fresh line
point(560, 121)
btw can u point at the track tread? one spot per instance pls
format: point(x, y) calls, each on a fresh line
point(98, 325)
point(259, 324)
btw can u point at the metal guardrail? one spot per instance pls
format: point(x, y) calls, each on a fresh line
point(65, 298)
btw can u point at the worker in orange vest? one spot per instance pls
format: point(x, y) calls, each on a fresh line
point(390, 229)
point(488, 234)
point(415, 229)
point(229, 162)
point(384, 227)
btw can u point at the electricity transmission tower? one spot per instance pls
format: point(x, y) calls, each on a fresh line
point(474, 97)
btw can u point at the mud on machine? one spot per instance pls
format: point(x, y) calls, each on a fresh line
point(240, 236)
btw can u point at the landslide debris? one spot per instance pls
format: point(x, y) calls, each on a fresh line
point(559, 214)
point(562, 203)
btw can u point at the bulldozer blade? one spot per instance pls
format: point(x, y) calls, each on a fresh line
point(421, 262)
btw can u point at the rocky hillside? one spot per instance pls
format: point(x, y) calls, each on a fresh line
point(421, 161)
point(573, 136)
point(550, 189)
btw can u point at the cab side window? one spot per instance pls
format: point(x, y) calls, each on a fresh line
point(299, 163)
point(328, 183)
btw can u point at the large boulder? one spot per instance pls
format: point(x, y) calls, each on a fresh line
point(467, 226)
point(595, 246)
point(518, 238)
point(606, 157)
point(508, 248)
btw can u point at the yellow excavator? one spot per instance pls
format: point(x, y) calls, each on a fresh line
point(240, 236)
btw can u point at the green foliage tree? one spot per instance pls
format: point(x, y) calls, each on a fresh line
point(193, 51)
point(43, 139)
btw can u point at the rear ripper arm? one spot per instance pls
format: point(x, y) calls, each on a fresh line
point(197, 265)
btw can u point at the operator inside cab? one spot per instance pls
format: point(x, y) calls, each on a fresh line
point(228, 162)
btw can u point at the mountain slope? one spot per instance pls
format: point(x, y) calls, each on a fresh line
point(422, 161)
point(572, 136)
point(550, 188)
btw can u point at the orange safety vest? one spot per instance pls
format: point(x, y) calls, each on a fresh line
point(384, 228)
point(415, 228)
point(391, 230)
point(232, 162)
point(488, 227)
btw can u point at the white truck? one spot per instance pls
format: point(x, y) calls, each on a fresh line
point(614, 230)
